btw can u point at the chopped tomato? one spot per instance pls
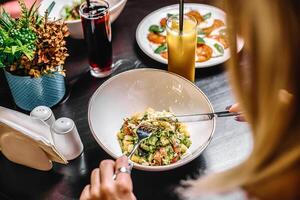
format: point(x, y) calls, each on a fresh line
point(176, 149)
point(163, 152)
point(157, 158)
point(175, 159)
point(163, 22)
point(127, 130)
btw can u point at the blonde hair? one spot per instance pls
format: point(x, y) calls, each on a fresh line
point(268, 89)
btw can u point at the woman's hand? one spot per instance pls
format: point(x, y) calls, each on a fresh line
point(236, 108)
point(104, 187)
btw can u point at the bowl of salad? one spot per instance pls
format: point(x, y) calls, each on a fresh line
point(156, 97)
point(69, 11)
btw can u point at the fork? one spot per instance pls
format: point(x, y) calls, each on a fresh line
point(144, 131)
point(202, 116)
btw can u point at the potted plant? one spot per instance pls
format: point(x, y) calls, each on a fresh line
point(32, 54)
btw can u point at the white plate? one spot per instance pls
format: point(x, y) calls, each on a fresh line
point(156, 16)
point(134, 91)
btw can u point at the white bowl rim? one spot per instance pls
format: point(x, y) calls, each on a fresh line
point(111, 9)
point(185, 160)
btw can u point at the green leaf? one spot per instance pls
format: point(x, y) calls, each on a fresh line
point(7, 50)
point(29, 54)
point(6, 21)
point(223, 32)
point(200, 40)
point(31, 12)
point(13, 49)
point(219, 48)
point(49, 9)
point(169, 15)
point(156, 29)
point(161, 48)
point(18, 42)
point(206, 16)
point(201, 32)
point(1, 64)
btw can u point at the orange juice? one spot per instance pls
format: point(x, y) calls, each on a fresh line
point(182, 47)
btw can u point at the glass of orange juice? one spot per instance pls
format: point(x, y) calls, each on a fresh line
point(182, 46)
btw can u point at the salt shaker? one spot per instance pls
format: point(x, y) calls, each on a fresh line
point(66, 138)
point(44, 114)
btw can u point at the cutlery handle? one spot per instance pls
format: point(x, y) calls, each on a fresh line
point(226, 114)
point(134, 149)
point(205, 116)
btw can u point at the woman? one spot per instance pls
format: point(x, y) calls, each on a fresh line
point(268, 89)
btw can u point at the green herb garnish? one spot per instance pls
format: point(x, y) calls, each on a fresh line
point(161, 48)
point(206, 16)
point(156, 29)
point(223, 32)
point(169, 15)
point(219, 48)
point(200, 40)
point(201, 32)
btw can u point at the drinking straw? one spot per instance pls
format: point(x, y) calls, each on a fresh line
point(181, 2)
point(88, 4)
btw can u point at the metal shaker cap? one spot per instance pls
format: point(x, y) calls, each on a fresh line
point(63, 125)
point(41, 112)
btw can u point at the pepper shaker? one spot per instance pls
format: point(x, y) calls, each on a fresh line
point(44, 114)
point(66, 138)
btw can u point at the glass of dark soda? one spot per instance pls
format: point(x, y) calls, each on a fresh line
point(97, 34)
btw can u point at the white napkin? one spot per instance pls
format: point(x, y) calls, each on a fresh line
point(27, 141)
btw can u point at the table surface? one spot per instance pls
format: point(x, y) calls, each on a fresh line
point(230, 145)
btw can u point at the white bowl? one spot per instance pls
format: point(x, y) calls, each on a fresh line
point(134, 91)
point(75, 28)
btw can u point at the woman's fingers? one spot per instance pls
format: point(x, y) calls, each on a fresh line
point(123, 179)
point(107, 170)
point(95, 177)
point(95, 183)
point(85, 194)
point(122, 162)
point(107, 188)
point(235, 108)
point(103, 186)
point(240, 118)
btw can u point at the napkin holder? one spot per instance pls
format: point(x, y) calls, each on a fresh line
point(27, 141)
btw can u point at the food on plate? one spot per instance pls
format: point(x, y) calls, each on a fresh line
point(203, 52)
point(168, 143)
point(196, 15)
point(212, 39)
point(71, 12)
point(156, 38)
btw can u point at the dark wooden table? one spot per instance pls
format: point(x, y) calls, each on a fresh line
point(230, 145)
